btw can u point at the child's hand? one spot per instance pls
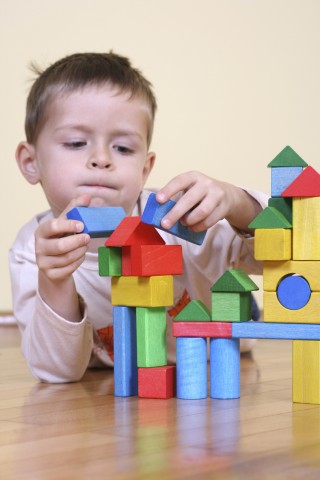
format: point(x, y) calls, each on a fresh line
point(58, 252)
point(205, 201)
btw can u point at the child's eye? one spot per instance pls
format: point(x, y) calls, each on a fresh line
point(122, 149)
point(75, 145)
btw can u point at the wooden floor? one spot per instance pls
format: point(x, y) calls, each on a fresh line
point(80, 431)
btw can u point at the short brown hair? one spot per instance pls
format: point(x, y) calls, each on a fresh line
point(76, 71)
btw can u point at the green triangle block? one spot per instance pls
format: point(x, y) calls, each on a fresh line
point(270, 217)
point(234, 281)
point(283, 205)
point(194, 311)
point(287, 158)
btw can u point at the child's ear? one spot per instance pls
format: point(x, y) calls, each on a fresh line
point(151, 158)
point(25, 157)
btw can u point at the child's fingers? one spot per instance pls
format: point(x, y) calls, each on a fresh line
point(82, 201)
point(59, 227)
point(180, 183)
point(61, 246)
point(54, 262)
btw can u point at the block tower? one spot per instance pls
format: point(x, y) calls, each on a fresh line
point(287, 239)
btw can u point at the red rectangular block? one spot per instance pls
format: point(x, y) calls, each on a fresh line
point(157, 382)
point(149, 260)
point(202, 329)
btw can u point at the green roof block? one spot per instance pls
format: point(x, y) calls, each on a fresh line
point(234, 281)
point(270, 217)
point(287, 158)
point(194, 311)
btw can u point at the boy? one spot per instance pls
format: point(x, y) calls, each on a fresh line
point(89, 124)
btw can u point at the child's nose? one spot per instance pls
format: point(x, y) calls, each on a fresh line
point(100, 159)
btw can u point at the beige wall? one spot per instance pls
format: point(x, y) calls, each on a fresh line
point(236, 81)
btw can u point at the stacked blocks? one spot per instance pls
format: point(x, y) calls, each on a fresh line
point(231, 302)
point(292, 266)
point(141, 289)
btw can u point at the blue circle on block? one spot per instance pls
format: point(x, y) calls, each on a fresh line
point(293, 292)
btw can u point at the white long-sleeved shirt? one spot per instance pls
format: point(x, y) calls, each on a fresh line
point(58, 350)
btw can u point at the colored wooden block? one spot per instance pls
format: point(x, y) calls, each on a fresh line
point(283, 205)
point(154, 212)
point(148, 260)
point(293, 292)
point(307, 184)
point(157, 382)
point(191, 368)
point(234, 280)
point(273, 244)
point(131, 231)
point(224, 368)
point(270, 217)
point(194, 311)
point(151, 336)
point(273, 272)
point(281, 178)
point(276, 331)
point(306, 371)
point(156, 291)
point(98, 222)
point(125, 352)
point(231, 307)
point(273, 311)
point(109, 260)
point(287, 158)
point(306, 231)
point(202, 329)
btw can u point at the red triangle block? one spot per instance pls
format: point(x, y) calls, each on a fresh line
point(307, 184)
point(131, 231)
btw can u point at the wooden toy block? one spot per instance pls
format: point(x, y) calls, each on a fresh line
point(293, 292)
point(125, 352)
point(202, 329)
point(273, 311)
point(224, 368)
point(287, 158)
point(270, 217)
point(131, 231)
point(234, 280)
point(157, 382)
point(231, 307)
point(154, 212)
point(109, 260)
point(156, 291)
point(151, 337)
point(282, 177)
point(273, 272)
point(276, 331)
point(306, 372)
point(148, 260)
point(194, 311)
point(307, 184)
point(98, 222)
point(191, 368)
point(273, 244)
point(283, 205)
point(306, 232)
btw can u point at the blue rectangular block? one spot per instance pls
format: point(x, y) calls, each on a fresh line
point(154, 212)
point(125, 352)
point(99, 222)
point(276, 331)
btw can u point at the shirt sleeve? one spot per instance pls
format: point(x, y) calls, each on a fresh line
point(55, 349)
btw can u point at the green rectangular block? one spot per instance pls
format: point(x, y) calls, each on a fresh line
point(151, 336)
point(231, 307)
point(110, 261)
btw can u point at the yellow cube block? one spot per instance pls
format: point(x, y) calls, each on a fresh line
point(272, 244)
point(132, 291)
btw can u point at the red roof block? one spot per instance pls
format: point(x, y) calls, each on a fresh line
point(131, 231)
point(307, 184)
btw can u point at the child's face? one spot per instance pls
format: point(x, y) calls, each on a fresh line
point(94, 142)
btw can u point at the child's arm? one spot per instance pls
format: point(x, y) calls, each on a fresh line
point(58, 255)
point(207, 200)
